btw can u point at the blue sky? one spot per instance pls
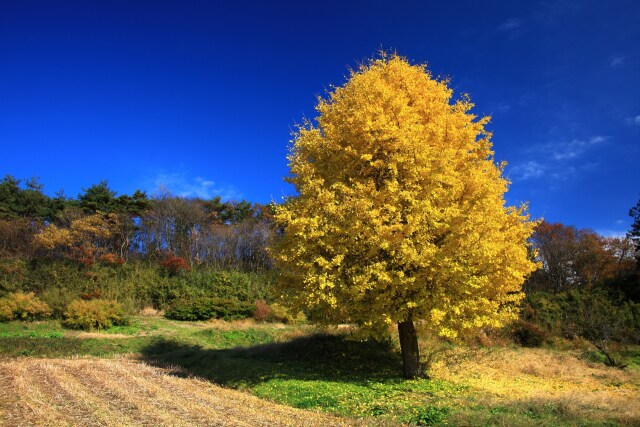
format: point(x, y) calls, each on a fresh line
point(200, 96)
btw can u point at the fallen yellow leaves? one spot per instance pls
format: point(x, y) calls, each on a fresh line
point(507, 376)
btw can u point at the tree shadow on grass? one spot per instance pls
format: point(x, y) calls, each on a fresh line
point(316, 357)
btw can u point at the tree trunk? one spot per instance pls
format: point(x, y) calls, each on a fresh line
point(410, 352)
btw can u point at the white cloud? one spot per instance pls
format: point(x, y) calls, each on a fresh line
point(612, 233)
point(557, 12)
point(504, 107)
point(180, 184)
point(616, 61)
point(552, 161)
point(510, 24)
point(563, 173)
point(574, 148)
point(527, 170)
point(618, 229)
point(633, 121)
point(512, 28)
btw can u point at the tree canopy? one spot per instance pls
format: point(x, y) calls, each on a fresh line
point(27, 202)
point(634, 233)
point(400, 213)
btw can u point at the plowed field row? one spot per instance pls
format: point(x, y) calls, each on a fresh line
point(122, 392)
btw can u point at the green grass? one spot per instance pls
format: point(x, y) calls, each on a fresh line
point(239, 338)
point(323, 372)
point(391, 398)
point(630, 357)
point(131, 329)
point(524, 414)
point(49, 339)
point(49, 329)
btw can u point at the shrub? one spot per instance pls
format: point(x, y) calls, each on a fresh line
point(604, 324)
point(23, 306)
point(58, 298)
point(276, 313)
point(149, 312)
point(135, 284)
point(594, 314)
point(94, 314)
point(528, 334)
point(111, 259)
point(262, 311)
point(209, 308)
point(6, 310)
point(13, 267)
point(281, 314)
point(86, 262)
point(430, 416)
point(547, 310)
point(174, 264)
point(207, 282)
point(94, 294)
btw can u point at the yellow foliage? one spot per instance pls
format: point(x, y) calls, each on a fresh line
point(96, 226)
point(400, 209)
point(53, 236)
point(23, 306)
point(83, 232)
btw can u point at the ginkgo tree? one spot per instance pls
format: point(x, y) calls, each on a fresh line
point(400, 218)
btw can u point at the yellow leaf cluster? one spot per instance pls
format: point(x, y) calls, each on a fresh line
point(87, 231)
point(400, 208)
point(52, 236)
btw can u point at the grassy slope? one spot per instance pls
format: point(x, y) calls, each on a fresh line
point(297, 367)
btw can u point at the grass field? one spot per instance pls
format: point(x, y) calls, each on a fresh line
point(130, 374)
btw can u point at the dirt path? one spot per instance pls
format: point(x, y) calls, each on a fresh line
point(123, 392)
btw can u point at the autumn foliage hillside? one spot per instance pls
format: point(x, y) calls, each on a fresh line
point(154, 252)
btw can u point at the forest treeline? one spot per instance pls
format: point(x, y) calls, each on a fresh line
point(223, 234)
point(587, 286)
point(153, 251)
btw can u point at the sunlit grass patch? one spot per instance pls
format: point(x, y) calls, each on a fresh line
point(557, 387)
point(40, 329)
point(524, 413)
point(391, 398)
point(236, 338)
point(131, 329)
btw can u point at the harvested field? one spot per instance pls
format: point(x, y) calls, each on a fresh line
point(124, 392)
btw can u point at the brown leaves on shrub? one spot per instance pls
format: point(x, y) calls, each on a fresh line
point(174, 264)
point(262, 312)
point(111, 259)
point(23, 306)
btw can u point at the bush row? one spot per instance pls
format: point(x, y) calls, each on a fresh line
point(23, 306)
point(589, 313)
point(88, 314)
point(231, 309)
point(94, 314)
point(209, 308)
point(135, 284)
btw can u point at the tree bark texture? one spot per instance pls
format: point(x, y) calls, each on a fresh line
point(409, 348)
